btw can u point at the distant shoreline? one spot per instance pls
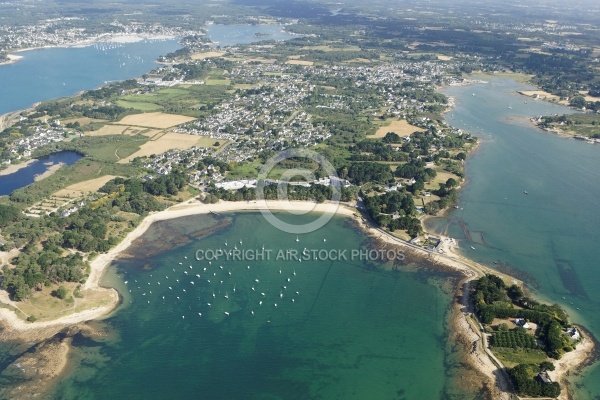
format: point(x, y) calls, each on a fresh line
point(110, 38)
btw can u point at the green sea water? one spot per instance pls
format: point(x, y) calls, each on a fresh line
point(328, 327)
point(550, 236)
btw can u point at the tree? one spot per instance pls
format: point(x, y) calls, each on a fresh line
point(61, 292)
point(546, 366)
point(578, 102)
point(515, 292)
point(451, 182)
point(391, 137)
point(432, 208)
point(8, 214)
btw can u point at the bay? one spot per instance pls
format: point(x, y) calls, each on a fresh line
point(269, 328)
point(550, 235)
point(50, 73)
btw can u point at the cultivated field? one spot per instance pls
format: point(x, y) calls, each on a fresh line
point(108, 130)
point(299, 62)
point(155, 120)
point(81, 120)
point(207, 54)
point(331, 48)
point(399, 127)
point(139, 105)
point(166, 142)
point(81, 188)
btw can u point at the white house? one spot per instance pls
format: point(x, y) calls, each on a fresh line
point(574, 333)
point(522, 323)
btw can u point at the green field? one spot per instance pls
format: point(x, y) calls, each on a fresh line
point(246, 170)
point(511, 357)
point(190, 100)
point(139, 105)
point(113, 150)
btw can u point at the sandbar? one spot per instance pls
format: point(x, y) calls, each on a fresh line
point(12, 168)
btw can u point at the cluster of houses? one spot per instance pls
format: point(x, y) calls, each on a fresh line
point(251, 183)
point(268, 117)
point(24, 147)
point(67, 212)
point(164, 163)
point(271, 115)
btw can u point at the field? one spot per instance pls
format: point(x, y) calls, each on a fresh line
point(186, 99)
point(139, 105)
point(300, 62)
point(400, 127)
point(331, 48)
point(155, 120)
point(81, 120)
point(108, 130)
point(511, 357)
point(249, 170)
point(207, 54)
point(166, 142)
point(81, 188)
point(357, 60)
